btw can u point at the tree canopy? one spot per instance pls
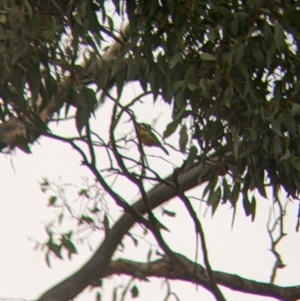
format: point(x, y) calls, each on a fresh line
point(229, 71)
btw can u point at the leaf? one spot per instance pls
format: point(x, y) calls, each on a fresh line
point(275, 126)
point(29, 9)
point(135, 241)
point(115, 294)
point(70, 247)
point(86, 219)
point(39, 126)
point(168, 213)
point(18, 53)
point(214, 196)
point(289, 123)
point(239, 52)
point(211, 34)
point(119, 81)
point(295, 161)
point(60, 218)
point(193, 87)
point(191, 157)
point(177, 58)
point(47, 258)
point(177, 85)
point(83, 192)
point(55, 249)
point(117, 66)
point(226, 191)
point(90, 96)
point(149, 256)
point(265, 10)
point(110, 23)
point(44, 185)
point(277, 146)
point(81, 118)
point(106, 225)
point(52, 200)
point(253, 208)
point(259, 181)
point(22, 144)
point(183, 138)
point(171, 128)
point(98, 296)
point(227, 96)
point(77, 18)
point(252, 135)
point(180, 101)
point(279, 37)
point(235, 193)
point(134, 292)
point(160, 226)
point(234, 26)
point(268, 34)
point(190, 73)
point(246, 204)
point(245, 72)
point(214, 199)
point(250, 148)
point(117, 5)
point(258, 56)
point(295, 109)
point(207, 57)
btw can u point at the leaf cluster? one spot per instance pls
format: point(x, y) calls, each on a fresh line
point(43, 45)
point(231, 68)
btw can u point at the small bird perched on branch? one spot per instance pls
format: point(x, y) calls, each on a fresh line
point(148, 138)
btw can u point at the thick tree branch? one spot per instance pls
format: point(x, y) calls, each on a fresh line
point(165, 268)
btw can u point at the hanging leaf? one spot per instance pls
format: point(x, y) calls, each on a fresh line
point(207, 57)
point(134, 292)
point(183, 138)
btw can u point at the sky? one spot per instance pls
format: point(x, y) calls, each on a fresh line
point(243, 249)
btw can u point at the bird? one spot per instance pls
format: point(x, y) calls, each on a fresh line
point(147, 136)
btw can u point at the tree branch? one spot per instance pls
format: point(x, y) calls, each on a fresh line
point(164, 268)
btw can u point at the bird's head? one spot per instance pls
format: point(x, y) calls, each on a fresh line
point(144, 126)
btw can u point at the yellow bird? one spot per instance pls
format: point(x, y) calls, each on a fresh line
point(148, 138)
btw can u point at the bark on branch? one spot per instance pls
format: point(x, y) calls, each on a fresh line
point(164, 268)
